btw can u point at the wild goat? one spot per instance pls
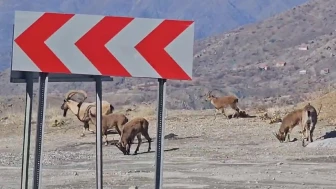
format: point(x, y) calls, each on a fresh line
point(109, 121)
point(309, 120)
point(220, 103)
point(81, 108)
point(306, 117)
point(135, 127)
point(288, 123)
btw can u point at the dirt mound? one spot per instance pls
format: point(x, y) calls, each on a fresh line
point(328, 102)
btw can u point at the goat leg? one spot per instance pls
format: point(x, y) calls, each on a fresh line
point(215, 115)
point(145, 134)
point(128, 148)
point(311, 135)
point(303, 136)
point(106, 142)
point(83, 133)
point(223, 112)
point(87, 126)
point(139, 143)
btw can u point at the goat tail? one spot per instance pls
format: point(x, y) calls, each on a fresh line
point(309, 120)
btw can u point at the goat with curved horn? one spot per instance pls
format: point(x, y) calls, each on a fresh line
point(81, 109)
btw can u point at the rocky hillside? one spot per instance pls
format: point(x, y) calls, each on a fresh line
point(211, 16)
point(230, 62)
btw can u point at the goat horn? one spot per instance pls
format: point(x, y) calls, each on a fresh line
point(70, 93)
point(210, 92)
point(274, 133)
point(73, 92)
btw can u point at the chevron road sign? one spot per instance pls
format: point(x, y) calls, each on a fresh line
point(103, 45)
point(58, 47)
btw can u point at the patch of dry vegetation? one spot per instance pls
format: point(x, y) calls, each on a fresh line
point(328, 102)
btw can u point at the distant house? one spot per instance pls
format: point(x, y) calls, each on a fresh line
point(280, 64)
point(302, 72)
point(324, 71)
point(303, 48)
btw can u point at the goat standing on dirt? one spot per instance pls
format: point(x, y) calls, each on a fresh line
point(306, 117)
point(81, 109)
point(220, 103)
point(109, 121)
point(309, 120)
point(288, 123)
point(135, 127)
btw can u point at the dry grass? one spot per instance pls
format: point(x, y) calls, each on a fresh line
point(326, 98)
point(16, 118)
point(328, 102)
point(146, 111)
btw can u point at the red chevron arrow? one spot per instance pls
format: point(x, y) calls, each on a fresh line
point(31, 41)
point(152, 48)
point(92, 45)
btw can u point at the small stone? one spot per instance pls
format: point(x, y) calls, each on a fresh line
point(133, 187)
point(273, 178)
point(75, 173)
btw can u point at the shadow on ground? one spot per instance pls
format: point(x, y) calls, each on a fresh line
point(167, 150)
point(331, 134)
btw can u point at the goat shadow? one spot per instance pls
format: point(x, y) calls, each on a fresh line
point(330, 134)
point(170, 136)
point(152, 151)
point(245, 116)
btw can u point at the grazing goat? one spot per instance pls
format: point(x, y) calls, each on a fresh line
point(306, 117)
point(81, 108)
point(113, 120)
point(288, 123)
point(135, 127)
point(223, 102)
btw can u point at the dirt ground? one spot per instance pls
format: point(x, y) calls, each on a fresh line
point(225, 153)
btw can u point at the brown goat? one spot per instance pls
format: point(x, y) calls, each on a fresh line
point(220, 103)
point(136, 127)
point(306, 117)
point(288, 123)
point(113, 120)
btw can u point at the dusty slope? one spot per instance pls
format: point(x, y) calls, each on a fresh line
point(228, 62)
